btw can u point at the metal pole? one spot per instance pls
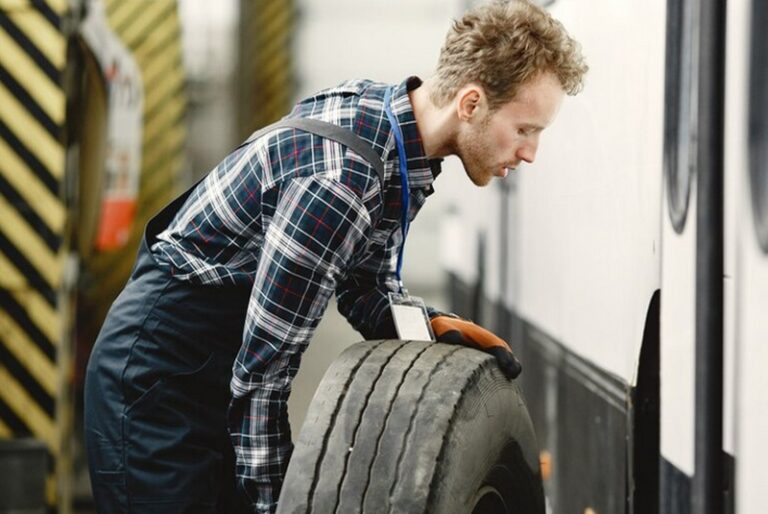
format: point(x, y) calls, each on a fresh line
point(707, 487)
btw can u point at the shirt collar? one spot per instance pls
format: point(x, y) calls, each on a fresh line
point(421, 171)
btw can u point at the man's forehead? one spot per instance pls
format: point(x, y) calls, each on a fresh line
point(536, 102)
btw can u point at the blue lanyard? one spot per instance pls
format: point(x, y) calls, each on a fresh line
point(406, 198)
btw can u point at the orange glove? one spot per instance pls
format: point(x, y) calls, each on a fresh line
point(454, 330)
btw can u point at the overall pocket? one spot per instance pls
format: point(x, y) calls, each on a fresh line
point(175, 436)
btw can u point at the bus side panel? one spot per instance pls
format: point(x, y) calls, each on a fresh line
point(747, 161)
point(678, 303)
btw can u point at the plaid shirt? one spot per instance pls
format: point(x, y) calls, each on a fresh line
point(295, 217)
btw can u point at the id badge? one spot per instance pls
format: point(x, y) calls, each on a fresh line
point(410, 316)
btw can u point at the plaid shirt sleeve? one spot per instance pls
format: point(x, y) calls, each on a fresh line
point(318, 225)
point(362, 296)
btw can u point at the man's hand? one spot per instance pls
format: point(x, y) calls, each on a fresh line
point(452, 330)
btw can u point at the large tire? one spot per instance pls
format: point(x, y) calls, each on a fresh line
point(414, 428)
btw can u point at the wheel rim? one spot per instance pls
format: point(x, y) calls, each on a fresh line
point(488, 500)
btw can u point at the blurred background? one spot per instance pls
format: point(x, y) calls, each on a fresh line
point(110, 108)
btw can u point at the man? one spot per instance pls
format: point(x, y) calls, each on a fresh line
point(187, 385)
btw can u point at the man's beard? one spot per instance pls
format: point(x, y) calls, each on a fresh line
point(475, 153)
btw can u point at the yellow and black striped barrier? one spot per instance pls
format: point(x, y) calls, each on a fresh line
point(151, 31)
point(35, 219)
point(267, 81)
point(34, 225)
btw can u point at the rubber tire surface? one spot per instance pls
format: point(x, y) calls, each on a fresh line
point(413, 427)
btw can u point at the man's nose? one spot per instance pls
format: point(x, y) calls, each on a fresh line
point(527, 151)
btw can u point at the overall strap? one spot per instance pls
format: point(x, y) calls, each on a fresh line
point(333, 132)
point(320, 128)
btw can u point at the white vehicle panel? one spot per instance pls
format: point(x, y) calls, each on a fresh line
point(737, 33)
point(751, 421)
point(588, 234)
point(752, 430)
point(678, 349)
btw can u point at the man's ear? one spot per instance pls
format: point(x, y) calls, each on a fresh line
point(469, 102)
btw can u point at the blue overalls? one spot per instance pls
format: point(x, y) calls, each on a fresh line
point(157, 392)
point(157, 382)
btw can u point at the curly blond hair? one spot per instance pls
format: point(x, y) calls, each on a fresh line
point(501, 46)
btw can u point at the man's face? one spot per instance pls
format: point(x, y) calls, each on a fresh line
point(490, 144)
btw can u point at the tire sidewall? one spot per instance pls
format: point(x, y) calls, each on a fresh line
point(491, 442)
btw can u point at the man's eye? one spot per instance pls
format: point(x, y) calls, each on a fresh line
point(522, 132)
